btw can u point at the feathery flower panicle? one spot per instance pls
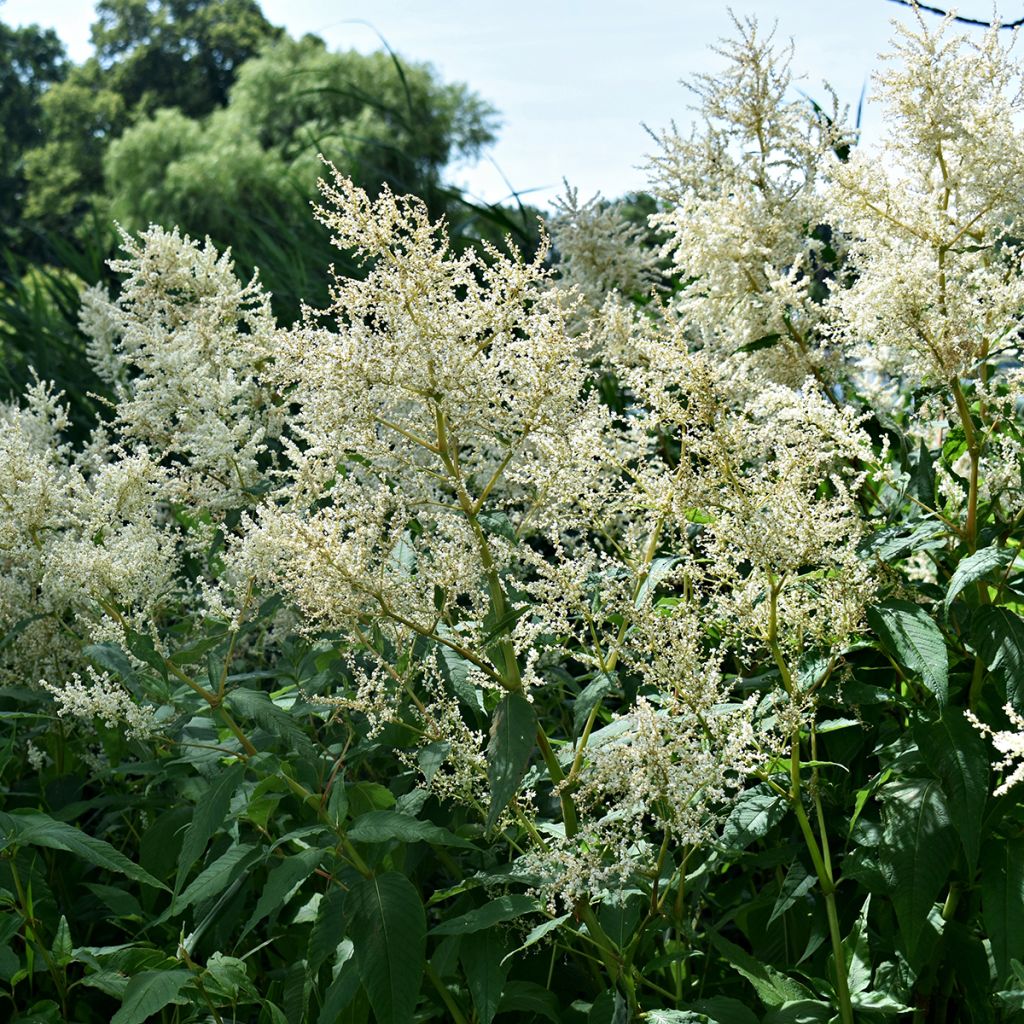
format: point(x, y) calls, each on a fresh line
point(599, 252)
point(741, 205)
point(934, 213)
point(182, 345)
point(433, 405)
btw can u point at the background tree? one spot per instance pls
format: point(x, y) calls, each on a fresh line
point(148, 55)
point(247, 171)
point(32, 60)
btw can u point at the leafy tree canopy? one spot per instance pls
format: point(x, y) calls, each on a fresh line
point(248, 170)
point(31, 60)
point(149, 54)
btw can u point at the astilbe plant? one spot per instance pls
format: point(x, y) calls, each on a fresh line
point(501, 642)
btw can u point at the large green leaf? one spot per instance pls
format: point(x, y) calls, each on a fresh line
point(909, 634)
point(148, 993)
point(773, 987)
point(918, 848)
point(976, 567)
point(384, 826)
point(504, 908)
point(508, 754)
point(33, 828)
point(954, 750)
point(214, 877)
point(328, 929)
point(257, 705)
point(754, 814)
point(998, 636)
point(797, 883)
point(208, 816)
point(388, 927)
point(1002, 901)
point(283, 878)
point(482, 956)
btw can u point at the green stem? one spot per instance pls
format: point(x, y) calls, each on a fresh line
point(820, 859)
point(446, 997)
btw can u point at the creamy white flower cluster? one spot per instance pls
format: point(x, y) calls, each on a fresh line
point(182, 345)
point(103, 698)
point(599, 252)
point(741, 202)
point(1009, 743)
point(934, 213)
point(430, 412)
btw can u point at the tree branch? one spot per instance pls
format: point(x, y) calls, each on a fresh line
point(957, 17)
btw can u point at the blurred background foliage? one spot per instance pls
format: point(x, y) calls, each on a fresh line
point(203, 114)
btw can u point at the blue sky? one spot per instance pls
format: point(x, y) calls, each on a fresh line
point(574, 80)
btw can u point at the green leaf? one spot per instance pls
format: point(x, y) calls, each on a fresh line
point(208, 816)
point(343, 989)
point(609, 1008)
point(226, 978)
point(539, 932)
point(212, 879)
point(954, 750)
point(508, 753)
point(504, 908)
point(150, 992)
point(911, 637)
point(499, 525)
point(918, 848)
point(384, 826)
point(657, 572)
point(283, 878)
point(759, 344)
point(482, 957)
point(858, 955)
point(112, 658)
point(524, 997)
point(33, 828)
point(1002, 901)
point(795, 886)
point(388, 927)
point(456, 672)
point(61, 948)
point(602, 683)
point(976, 567)
point(723, 1010)
point(257, 705)
point(773, 987)
point(998, 636)
point(754, 814)
point(328, 929)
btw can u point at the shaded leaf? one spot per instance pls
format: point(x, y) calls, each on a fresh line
point(908, 634)
point(150, 992)
point(388, 927)
point(508, 753)
point(384, 826)
point(918, 848)
point(1002, 901)
point(482, 958)
point(954, 750)
point(998, 636)
point(976, 567)
point(283, 877)
point(33, 828)
point(207, 817)
point(504, 908)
